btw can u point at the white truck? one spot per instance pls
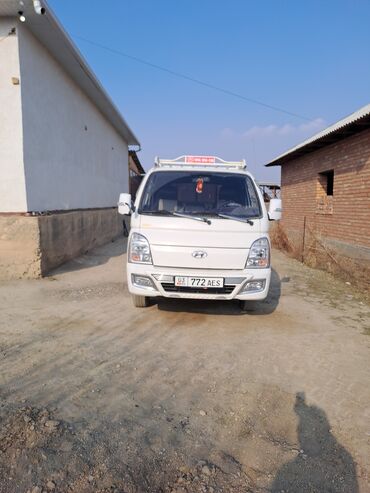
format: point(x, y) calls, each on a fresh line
point(199, 229)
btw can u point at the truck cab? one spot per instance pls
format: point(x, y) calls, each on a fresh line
point(199, 229)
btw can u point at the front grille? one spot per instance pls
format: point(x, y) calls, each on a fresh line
point(171, 288)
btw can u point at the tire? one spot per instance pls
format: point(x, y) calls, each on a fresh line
point(140, 301)
point(243, 306)
point(248, 306)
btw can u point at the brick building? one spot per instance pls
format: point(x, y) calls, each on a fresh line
point(326, 188)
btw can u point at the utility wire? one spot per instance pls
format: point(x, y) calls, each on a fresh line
point(192, 79)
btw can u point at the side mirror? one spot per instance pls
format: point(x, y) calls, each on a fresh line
point(125, 206)
point(275, 210)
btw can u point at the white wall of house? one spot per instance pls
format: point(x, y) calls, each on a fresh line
point(12, 182)
point(73, 157)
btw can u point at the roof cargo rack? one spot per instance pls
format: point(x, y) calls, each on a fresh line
point(199, 161)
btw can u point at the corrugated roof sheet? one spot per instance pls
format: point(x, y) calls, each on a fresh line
point(136, 160)
point(325, 136)
point(268, 184)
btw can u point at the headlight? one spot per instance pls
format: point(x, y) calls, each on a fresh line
point(253, 286)
point(139, 251)
point(259, 254)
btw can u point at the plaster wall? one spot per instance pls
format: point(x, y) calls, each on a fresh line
point(73, 156)
point(12, 181)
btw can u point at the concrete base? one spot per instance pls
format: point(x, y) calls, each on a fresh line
point(31, 246)
point(360, 253)
point(346, 261)
point(355, 252)
point(20, 255)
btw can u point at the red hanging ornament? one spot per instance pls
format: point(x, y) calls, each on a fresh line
point(199, 187)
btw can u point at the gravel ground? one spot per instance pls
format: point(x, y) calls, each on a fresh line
point(97, 396)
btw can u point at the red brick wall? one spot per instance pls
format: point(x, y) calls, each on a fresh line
point(349, 218)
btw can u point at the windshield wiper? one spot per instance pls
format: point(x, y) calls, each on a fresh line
point(196, 218)
point(178, 214)
point(157, 213)
point(241, 220)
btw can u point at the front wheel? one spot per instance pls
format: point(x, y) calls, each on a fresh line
point(140, 301)
point(247, 305)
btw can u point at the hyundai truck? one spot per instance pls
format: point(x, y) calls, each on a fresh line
point(199, 230)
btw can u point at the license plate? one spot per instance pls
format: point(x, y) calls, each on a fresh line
point(199, 282)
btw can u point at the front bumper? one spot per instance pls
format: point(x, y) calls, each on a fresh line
point(235, 280)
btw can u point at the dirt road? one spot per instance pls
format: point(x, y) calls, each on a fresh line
point(97, 396)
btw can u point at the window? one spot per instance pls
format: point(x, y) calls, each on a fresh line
point(325, 192)
point(194, 193)
point(327, 181)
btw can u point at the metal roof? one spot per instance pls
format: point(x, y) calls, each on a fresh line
point(136, 160)
point(48, 30)
point(350, 125)
point(268, 184)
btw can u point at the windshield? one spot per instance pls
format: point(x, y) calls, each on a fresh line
point(206, 193)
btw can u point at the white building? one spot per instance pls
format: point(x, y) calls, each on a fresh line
point(63, 147)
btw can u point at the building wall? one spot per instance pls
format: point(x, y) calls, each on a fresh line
point(73, 157)
point(68, 235)
point(57, 153)
point(12, 184)
point(344, 218)
point(31, 246)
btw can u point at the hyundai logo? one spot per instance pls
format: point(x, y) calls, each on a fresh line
point(199, 254)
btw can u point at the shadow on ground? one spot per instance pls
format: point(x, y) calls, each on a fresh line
point(216, 307)
point(323, 465)
point(94, 257)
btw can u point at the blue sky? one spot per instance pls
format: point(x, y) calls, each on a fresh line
point(307, 57)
